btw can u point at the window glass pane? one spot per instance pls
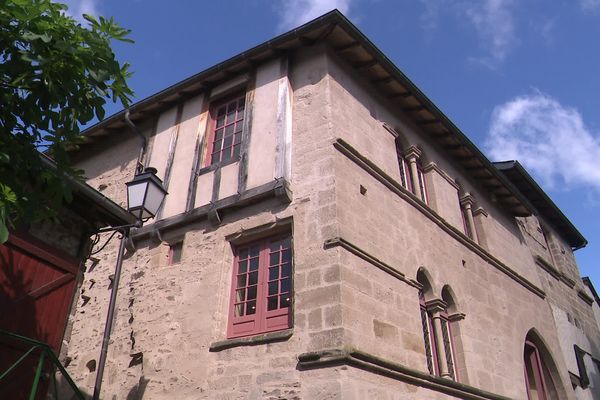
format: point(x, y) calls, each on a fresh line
point(273, 273)
point(231, 108)
point(243, 266)
point(241, 281)
point(253, 264)
point(287, 255)
point(273, 288)
point(227, 142)
point(286, 270)
point(251, 307)
point(217, 146)
point(252, 293)
point(287, 243)
point(239, 310)
point(274, 258)
point(226, 154)
point(238, 137)
point(284, 300)
point(238, 126)
point(275, 246)
point(240, 295)
point(221, 111)
point(286, 285)
point(254, 250)
point(236, 151)
point(229, 130)
point(241, 103)
point(243, 253)
point(253, 278)
point(272, 303)
point(218, 134)
point(220, 121)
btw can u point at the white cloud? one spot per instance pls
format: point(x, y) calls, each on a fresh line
point(590, 5)
point(294, 13)
point(551, 140)
point(79, 7)
point(495, 26)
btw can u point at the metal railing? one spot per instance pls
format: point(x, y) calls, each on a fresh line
point(45, 354)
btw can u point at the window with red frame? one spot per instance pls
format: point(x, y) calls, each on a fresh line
point(227, 119)
point(261, 293)
point(534, 374)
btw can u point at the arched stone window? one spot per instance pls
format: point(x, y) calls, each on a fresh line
point(437, 323)
point(411, 170)
point(541, 376)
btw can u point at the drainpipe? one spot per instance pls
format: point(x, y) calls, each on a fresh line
point(110, 316)
point(124, 230)
point(139, 165)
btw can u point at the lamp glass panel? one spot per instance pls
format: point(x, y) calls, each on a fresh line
point(135, 195)
point(154, 199)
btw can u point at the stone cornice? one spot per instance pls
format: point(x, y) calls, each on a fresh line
point(357, 251)
point(412, 152)
point(394, 186)
point(436, 305)
point(391, 130)
point(467, 199)
point(375, 364)
point(480, 211)
point(434, 167)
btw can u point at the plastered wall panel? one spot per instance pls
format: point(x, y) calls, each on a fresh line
point(162, 141)
point(204, 189)
point(261, 154)
point(229, 180)
point(188, 138)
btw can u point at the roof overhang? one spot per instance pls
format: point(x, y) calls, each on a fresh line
point(358, 51)
point(97, 209)
point(544, 206)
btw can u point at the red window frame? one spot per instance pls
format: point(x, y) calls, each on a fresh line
point(262, 287)
point(226, 129)
point(534, 373)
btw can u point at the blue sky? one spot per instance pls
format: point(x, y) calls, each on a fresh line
point(520, 77)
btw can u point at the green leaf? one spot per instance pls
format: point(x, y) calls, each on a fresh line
point(3, 232)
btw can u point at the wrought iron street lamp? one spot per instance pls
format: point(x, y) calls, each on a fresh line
point(145, 194)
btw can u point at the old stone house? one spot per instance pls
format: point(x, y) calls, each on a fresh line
point(328, 234)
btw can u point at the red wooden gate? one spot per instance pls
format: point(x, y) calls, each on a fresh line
point(36, 291)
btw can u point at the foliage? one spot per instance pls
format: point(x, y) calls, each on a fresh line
point(55, 75)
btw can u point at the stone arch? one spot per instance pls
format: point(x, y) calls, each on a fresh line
point(535, 348)
point(455, 316)
point(450, 299)
point(429, 289)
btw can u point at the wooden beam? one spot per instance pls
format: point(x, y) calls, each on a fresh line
point(350, 46)
point(382, 81)
point(432, 121)
point(365, 64)
point(413, 108)
point(399, 94)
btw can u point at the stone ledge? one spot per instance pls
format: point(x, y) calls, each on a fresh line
point(549, 268)
point(276, 189)
point(380, 366)
point(394, 186)
point(584, 296)
point(357, 251)
point(270, 337)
